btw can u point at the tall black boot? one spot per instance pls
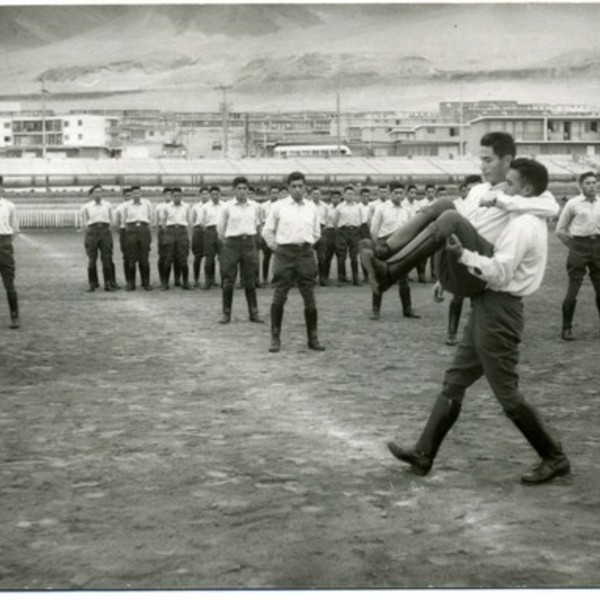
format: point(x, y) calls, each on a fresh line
point(276, 319)
point(196, 268)
point(311, 318)
point(422, 246)
point(568, 311)
point(443, 415)
point(376, 305)
point(405, 234)
point(92, 273)
point(13, 305)
point(227, 302)
point(145, 275)
point(406, 302)
point(342, 277)
point(354, 267)
point(454, 312)
point(253, 305)
point(185, 274)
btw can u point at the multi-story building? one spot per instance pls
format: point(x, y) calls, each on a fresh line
point(65, 136)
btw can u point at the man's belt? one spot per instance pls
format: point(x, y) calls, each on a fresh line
point(587, 237)
point(297, 246)
point(240, 237)
point(176, 226)
point(132, 224)
point(99, 225)
point(349, 227)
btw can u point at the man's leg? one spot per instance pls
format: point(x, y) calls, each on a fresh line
point(284, 276)
point(405, 298)
point(576, 269)
point(144, 256)
point(7, 271)
point(454, 312)
point(499, 319)
point(182, 252)
point(106, 248)
point(230, 256)
point(464, 370)
point(307, 279)
point(131, 251)
point(353, 240)
point(209, 252)
point(341, 249)
point(92, 243)
point(248, 266)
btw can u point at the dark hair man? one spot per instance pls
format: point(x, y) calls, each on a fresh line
point(578, 228)
point(137, 215)
point(8, 227)
point(211, 243)
point(175, 220)
point(291, 230)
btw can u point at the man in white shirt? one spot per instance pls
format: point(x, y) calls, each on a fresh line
point(175, 220)
point(121, 228)
point(237, 228)
point(137, 215)
point(197, 237)
point(578, 228)
point(212, 244)
point(321, 244)
point(429, 198)
point(480, 224)
point(160, 231)
point(291, 230)
point(8, 227)
point(265, 208)
point(489, 345)
point(348, 219)
point(97, 217)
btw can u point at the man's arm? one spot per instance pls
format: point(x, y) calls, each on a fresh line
point(270, 227)
point(316, 225)
point(544, 205)
point(376, 222)
point(500, 268)
point(13, 221)
point(222, 221)
point(562, 227)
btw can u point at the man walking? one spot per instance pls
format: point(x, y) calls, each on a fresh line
point(489, 345)
point(291, 230)
point(8, 227)
point(96, 218)
point(578, 228)
point(237, 228)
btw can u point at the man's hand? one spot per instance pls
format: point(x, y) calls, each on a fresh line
point(454, 246)
point(438, 292)
point(489, 199)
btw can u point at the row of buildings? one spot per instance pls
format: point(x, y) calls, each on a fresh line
point(451, 132)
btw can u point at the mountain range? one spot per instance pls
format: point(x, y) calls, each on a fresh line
point(293, 56)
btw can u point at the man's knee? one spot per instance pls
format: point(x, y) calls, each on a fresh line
point(450, 221)
point(453, 392)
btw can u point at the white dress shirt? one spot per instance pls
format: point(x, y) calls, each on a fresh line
point(519, 260)
point(323, 210)
point(238, 218)
point(133, 212)
point(387, 218)
point(348, 214)
point(580, 217)
point(196, 213)
point(372, 207)
point(210, 213)
point(8, 217)
point(291, 222)
point(96, 212)
point(174, 214)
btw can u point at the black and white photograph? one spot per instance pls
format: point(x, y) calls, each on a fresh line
point(300, 297)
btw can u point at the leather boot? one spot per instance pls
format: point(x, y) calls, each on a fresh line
point(405, 300)
point(13, 304)
point(311, 317)
point(443, 416)
point(422, 246)
point(376, 304)
point(568, 311)
point(252, 305)
point(454, 313)
point(354, 267)
point(276, 319)
point(342, 277)
point(405, 234)
point(378, 272)
point(227, 302)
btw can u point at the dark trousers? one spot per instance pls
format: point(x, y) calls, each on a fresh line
point(240, 250)
point(197, 249)
point(123, 248)
point(98, 240)
point(453, 276)
point(330, 236)
point(295, 264)
point(583, 257)
point(347, 239)
point(7, 271)
point(138, 240)
point(210, 250)
point(266, 258)
point(321, 252)
point(177, 248)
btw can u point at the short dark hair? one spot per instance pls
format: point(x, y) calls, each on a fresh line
point(412, 186)
point(532, 172)
point(472, 179)
point(214, 188)
point(398, 186)
point(127, 190)
point(94, 187)
point(501, 143)
point(349, 187)
point(135, 187)
point(336, 192)
point(204, 189)
point(585, 175)
point(295, 176)
point(275, 186)
point(1, 179)
point(365, 190)
point(167, 190)
point(177, 189)
point(441, 188)
point(384, 185)
point(240, 179)
point(429, 186)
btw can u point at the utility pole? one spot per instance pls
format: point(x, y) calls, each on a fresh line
point(44, 92)
point(225, 109)
point(461, 119)
point(339, 147)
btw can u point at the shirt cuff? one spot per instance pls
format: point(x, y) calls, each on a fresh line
point(472, 260)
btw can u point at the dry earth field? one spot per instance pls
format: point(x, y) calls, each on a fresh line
point(144, 445)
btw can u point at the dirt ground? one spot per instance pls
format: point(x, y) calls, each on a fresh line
point(146, 446)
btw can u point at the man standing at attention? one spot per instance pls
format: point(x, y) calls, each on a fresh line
point(212, 245)
point(348, 219)
point(8, 227)
point(197, 237)
point(578, 228)
point(96, 218)
point(238, 227)
point(291, 230)
point(265, 208)
point(120, 225)
point(175, 221)
point(321, 244)
point(137, 216)
point(489, 345)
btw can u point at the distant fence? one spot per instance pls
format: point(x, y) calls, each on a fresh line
point(45, 217)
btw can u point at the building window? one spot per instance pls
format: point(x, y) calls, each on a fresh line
point(66, 138)
point(431, 130)
point(453, 131)
point(7, 125)
point(217, 146)
point(7, 138)
point(151, 133)
point(594, 126)
point(80, 122)
point(65, 123)
point(79, 136)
